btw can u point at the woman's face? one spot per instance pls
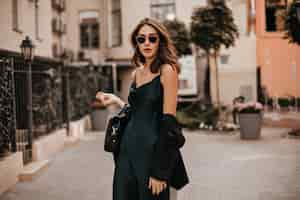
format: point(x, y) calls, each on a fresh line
point(148, 41)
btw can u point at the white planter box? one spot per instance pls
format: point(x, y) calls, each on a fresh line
point(49, 145)
point(77, 128)
point(10, 167)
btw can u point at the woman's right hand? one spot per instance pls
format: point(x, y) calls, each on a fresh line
point(156, 186)
point(106, 98)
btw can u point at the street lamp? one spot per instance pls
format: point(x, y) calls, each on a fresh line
point(27, 50)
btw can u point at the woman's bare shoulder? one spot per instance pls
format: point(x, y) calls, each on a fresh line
point(168, 72)
point(135, 72)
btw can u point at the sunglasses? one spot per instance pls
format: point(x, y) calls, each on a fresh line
point(141, 39)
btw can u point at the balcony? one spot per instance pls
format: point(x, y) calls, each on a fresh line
point(59, 5)
point(58, 27)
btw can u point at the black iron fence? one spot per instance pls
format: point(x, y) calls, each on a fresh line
point(60, 94)
point(81, 85)
point(7, 107)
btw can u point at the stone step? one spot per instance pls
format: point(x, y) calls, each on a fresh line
point(91, 135)
point(71, 140)
point(33, 169)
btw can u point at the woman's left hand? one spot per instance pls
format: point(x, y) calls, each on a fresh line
point(156, 186)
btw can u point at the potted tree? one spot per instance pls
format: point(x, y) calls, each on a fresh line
point(250, 117)
point(292, 23)
point(212, 27)
point(180, 36)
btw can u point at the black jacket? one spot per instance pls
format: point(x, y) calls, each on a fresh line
point(167, 162)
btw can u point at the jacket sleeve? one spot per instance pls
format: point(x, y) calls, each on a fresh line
point(165, 154)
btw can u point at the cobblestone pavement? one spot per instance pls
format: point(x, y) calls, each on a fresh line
point(221, 167)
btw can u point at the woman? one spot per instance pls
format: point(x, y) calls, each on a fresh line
point(140, 172)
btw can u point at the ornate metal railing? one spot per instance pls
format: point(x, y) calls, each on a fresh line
point(59, 94)
point(7, 105)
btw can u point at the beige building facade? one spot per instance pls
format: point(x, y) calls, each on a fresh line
point(98, 31)
point(87, 29)
point(59, 28)
point(19, 18)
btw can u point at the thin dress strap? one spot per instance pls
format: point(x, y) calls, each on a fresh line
point(134, 78)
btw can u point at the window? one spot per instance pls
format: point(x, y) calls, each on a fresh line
point(275, 14)
point(163, 9)
point(89, 30)
point(16, 14)
point(116, 32)
point(224, 59)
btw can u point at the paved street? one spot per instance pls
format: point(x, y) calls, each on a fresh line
point(221, 167)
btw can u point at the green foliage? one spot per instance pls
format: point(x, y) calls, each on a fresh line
point(192, 115)
point(47, 100)
point(250, 110)
point(187, 121)
point(284, 102)
point(78, 94)
point(180, 36)
point(292, 24)
point(295, 101)
point(213, 26)
point(83, 87)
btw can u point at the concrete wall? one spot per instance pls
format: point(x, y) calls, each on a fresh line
point(11, 40)
point(241, 67)
point(232, 82)
point(279, 60)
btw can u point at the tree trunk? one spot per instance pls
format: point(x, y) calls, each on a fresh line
point(217, 79)
point(213, 79)
point(207, 79)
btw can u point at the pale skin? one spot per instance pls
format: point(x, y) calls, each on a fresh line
point(169, 81)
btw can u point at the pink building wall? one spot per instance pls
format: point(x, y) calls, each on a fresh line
point(278, 59)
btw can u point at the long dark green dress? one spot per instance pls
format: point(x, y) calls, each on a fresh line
point(133, 163)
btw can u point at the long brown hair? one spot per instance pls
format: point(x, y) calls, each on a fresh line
point(166, 53)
